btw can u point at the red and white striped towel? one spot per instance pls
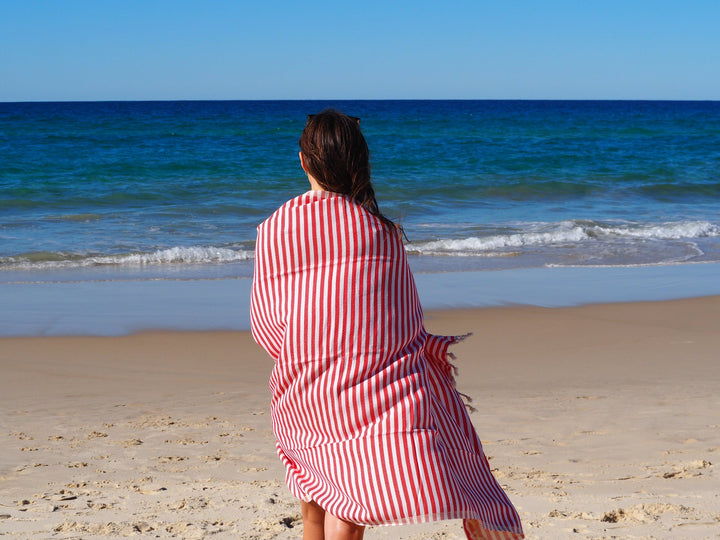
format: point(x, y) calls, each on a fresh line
point(364, 408)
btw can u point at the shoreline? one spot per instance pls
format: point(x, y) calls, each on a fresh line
point(121, 307)
point(597, 419)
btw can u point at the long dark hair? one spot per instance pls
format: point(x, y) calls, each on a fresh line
point(337, 156)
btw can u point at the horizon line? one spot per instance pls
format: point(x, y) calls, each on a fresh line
point(205, 100)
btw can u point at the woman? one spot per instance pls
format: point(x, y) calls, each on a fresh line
point(367, 420)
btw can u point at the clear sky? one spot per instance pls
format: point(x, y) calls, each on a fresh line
point(362, 49)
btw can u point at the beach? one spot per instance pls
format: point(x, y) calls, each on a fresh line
point(600, 421)
point(577, 240)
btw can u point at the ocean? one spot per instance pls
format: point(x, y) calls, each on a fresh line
point(108, 192)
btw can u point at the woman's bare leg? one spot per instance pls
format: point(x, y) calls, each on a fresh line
point(339, 529)
point(313, 521)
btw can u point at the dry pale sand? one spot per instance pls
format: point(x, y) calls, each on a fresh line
point(600, 421)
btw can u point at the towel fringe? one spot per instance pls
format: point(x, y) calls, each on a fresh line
point(467, 400)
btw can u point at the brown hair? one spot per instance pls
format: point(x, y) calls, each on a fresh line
point(337, 156)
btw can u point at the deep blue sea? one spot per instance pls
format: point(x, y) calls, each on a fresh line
point(146, 193)
point(168, 187)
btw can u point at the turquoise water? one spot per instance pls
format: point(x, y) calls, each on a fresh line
point(167, 189)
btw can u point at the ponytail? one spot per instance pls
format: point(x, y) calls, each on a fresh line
point(337, 156)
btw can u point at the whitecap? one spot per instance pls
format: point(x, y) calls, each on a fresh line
point(170, 256)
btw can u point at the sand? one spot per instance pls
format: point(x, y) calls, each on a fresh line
point(600, 422)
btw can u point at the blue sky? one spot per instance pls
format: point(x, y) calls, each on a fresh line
point(365, 49)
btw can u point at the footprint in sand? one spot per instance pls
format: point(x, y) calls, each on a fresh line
point(131, 442)
point(100, 505)
point(184, 442)
point(647, 513)
point(687, 470)
point(569, 515)
point(172, 459)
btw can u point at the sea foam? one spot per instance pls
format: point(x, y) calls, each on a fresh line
point(566, 233)
point(174, 255)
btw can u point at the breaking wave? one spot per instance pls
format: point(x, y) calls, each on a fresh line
point(564, 233)
point(175, 255)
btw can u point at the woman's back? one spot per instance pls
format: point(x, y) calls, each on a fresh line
point(346, 309)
